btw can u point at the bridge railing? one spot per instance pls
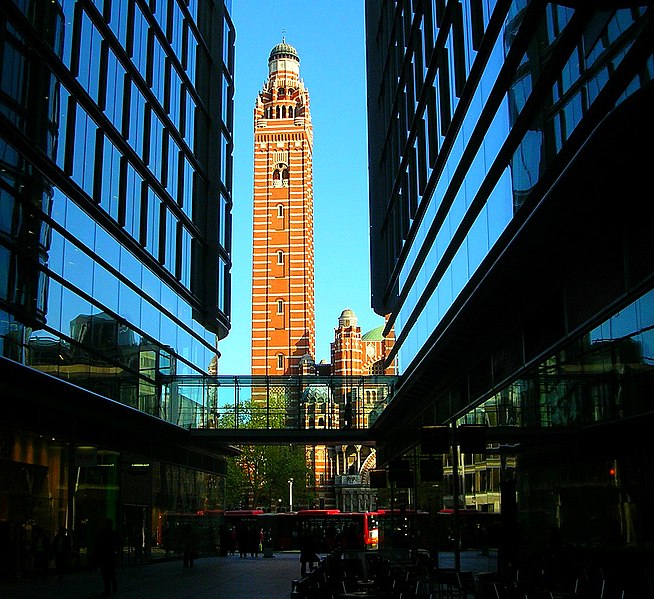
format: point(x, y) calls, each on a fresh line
point(275, 402)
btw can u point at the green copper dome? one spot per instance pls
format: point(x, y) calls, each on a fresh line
point(377, 334)
point(284, 50)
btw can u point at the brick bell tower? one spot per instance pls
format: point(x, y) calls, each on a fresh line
point(283, 316)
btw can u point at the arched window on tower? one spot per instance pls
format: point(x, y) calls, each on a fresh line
point(280, 211)
point(283, 112)
point(285, 178)
point(290, 112)
point(281, 91)
point(277, 178)
point(269, 113)
point(280, 257)
point(278, 112)
point(280, 361)
point(280, 306)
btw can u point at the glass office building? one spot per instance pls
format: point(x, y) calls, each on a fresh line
point(115, 255)
point(510, 160)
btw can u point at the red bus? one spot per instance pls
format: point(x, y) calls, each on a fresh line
point(343, 530)
point(330, 528)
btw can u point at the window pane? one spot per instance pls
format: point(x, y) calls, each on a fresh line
point(152, 223)
point(136, 119)
point(187, 189)
point(185, 249)
point(140, 40)
point(158, 69)
point(170, 241)
point(156, 145)
point(175, 97)
point(172, 175)
point(118, 22)
point(189, 125)
point(110, 179)
point(225, 224)
point(89, 62)
point(84, 151)
point(133, 189)
point(115, 86)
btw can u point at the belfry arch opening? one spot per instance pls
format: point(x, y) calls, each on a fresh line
point(280, 175)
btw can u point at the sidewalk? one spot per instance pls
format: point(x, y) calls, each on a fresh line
point(229, 577)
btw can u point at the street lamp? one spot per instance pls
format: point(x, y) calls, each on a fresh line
point(290, 494)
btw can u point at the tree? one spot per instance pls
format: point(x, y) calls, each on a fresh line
point(259, 476)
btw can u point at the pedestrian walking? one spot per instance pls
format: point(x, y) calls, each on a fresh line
point(165, 540)
point(107, 547)
point(254, 540)
point(242, 539)
point(189, 546)
point(63, 551)
point(308, 555)
point(40, 551)
point(232, 541)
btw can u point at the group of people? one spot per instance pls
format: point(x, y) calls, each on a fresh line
point(247, 539)
point(103, 555)
point(43, 551)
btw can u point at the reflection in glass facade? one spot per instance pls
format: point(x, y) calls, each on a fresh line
point(115, 259)
point(116, 205)
point(511, 245)
point(468, 123)
point(605, 376)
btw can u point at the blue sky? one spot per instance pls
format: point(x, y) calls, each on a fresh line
point(329, 38)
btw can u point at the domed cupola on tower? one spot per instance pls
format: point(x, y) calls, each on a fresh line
point(284, 61)
point(283, 50)
point(347, 319)
point(284, 95)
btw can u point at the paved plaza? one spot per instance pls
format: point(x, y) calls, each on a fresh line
point(229, 577)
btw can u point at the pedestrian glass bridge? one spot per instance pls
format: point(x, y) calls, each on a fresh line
point(276, 408)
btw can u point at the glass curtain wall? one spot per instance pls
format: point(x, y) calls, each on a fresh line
point(116, 215)
point(115, 249)
point(474, 119)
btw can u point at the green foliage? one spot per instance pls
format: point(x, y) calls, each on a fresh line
point(259, 476)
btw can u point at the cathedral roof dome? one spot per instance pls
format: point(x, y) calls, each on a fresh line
point(376, 334)
point(284, 50)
